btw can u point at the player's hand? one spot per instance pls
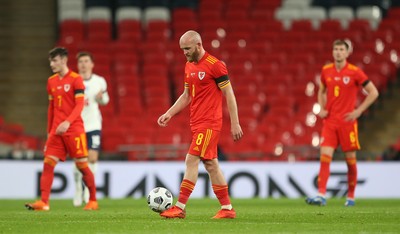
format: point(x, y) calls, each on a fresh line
point(99, 97)
point(62, 128)
point(164, 119)
point(236, 131)
point(352, 115)
point(323, 113)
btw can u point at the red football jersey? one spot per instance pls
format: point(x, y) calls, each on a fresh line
point(63, 93)
point(342, 88)
point(205, 81)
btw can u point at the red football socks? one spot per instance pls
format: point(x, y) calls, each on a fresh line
point(88, 178)
point(46, 179)
point(186, 190)
point(221, 191)
point(324, 172)
point(351, 176)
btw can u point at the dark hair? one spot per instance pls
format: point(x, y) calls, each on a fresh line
point(341, 42)
point(83, 54)
point(61, 51)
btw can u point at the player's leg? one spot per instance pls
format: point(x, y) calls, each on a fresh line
point(350, 144)
point(323, 176)
point(186, 189)
point(54, 146)
point(324, 170)
point(77, 148)
point(220, 188)
point(46, 180)
point(78, 197)
point(88, 179)
point(328, 145)
point(93, 139)
point(189, 180)
point(92, 161)
point(209, 154)
point(351, 162)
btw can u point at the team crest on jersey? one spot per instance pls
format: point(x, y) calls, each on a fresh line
point(202, 75)
point(346, 80)
point(67, 87)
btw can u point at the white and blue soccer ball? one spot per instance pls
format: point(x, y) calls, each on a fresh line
point(159, 199)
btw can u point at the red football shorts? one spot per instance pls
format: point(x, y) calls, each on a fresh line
point(204, 144)
point(345, 135)
point(74, 144)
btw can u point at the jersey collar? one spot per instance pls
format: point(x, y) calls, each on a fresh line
point(203, 58)
point(66, 74)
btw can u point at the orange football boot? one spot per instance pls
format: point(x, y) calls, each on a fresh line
point(225, 214)
point(91, 205)
point(174, 212)
point(38, 205)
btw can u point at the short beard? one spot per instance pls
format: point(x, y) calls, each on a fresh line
point(195, 56)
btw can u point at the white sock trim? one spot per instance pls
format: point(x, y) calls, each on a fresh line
point(227, 207)
point(180, 205)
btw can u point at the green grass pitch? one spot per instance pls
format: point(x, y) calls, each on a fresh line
point(253, 216)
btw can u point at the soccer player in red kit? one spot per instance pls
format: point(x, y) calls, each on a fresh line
point(206, 80)
point(337, 96)
point(66, 133)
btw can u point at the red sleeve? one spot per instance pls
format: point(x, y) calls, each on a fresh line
point(79, 103)
point(322, 78)
point(219, 69)
point(186, 78)
point(50, 115)
point(361, 77)
point(50, 110)
point(79, 89)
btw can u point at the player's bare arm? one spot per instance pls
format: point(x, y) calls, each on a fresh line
point(236, 130)
point(182, 102)
point(371, 97)
point(322, 100)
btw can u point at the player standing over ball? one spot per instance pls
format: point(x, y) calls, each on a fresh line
point(95, 95)
point(206, 80)
point(337, 96)
point(65, 131)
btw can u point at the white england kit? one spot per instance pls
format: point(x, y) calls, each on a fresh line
point(91, 114)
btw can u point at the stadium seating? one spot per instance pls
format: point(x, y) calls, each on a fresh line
point(273, 49)
point(129, 24)
point(371, 13)
point(71, 10)
point(287, 15)
point(315, 15)
point(99, 24)
point(297, 4)
point(342, 13)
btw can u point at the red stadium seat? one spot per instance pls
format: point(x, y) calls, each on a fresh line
point(301, 26)
point(183, 14)
point(360, 25)
point(71, 32)
point(158, 30)
point(130, 31)
point(99, 30)
point(330, 25)
point(270, 4)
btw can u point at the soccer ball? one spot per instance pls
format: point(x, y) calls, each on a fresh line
point(159, 199)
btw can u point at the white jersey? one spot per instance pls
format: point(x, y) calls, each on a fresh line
point(91, 114)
